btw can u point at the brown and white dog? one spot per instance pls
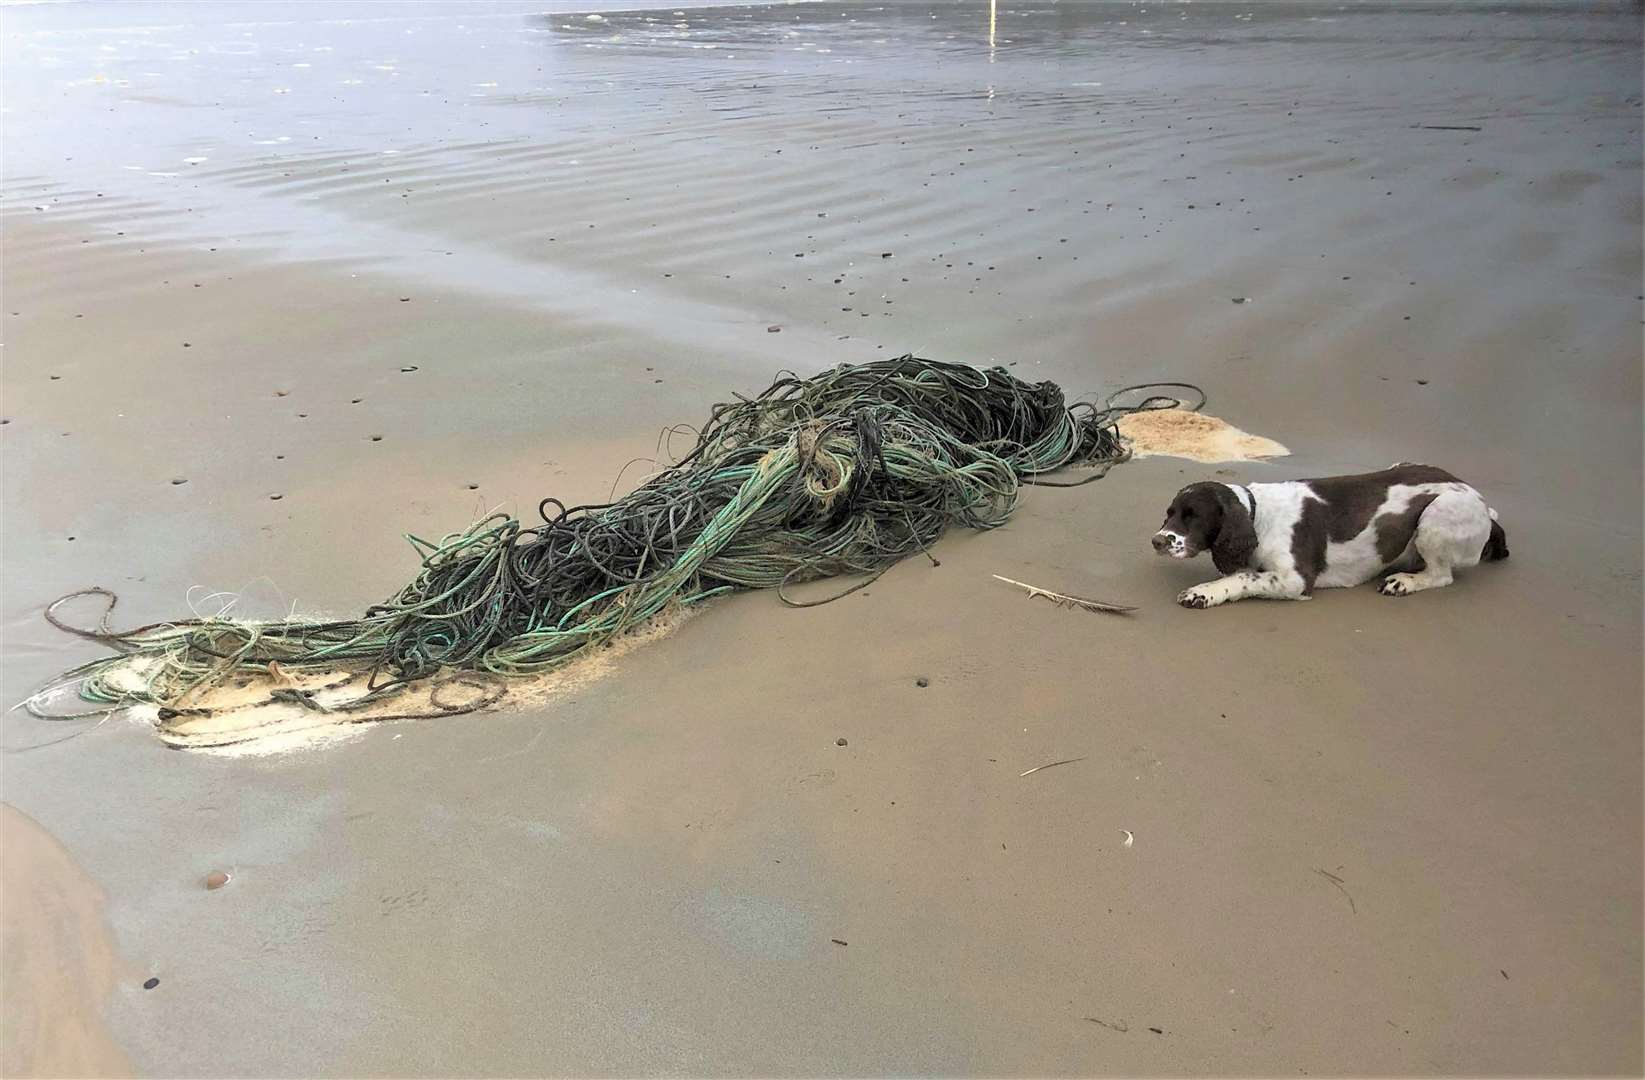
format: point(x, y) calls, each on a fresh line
point(1282, 541)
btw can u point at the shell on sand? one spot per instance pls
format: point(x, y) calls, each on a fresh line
point(1195, 436)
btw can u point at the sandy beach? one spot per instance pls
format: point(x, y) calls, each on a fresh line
point(282, 284)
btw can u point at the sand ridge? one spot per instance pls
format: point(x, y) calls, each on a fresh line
point(58, 958)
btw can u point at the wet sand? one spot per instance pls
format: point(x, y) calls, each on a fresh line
point(58, 959)
point(1371, 836)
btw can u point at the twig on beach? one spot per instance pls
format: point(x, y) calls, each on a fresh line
point(1064, 761)
point(1334, 880)
point(1118, 1025)
point(1064, 600)
point(1449, 127)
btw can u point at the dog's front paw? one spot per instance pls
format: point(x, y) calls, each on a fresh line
point(1396, 585)
point(1197, 597)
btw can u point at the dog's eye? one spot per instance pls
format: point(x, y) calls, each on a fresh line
point(1187, 512)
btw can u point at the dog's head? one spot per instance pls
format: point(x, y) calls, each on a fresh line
point(1208, 517)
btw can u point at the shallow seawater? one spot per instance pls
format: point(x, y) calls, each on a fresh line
point(527, 151)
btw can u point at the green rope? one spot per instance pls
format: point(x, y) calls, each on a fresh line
point(847, 472)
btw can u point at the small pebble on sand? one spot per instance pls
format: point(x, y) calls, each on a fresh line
point(216, 879)
point(839, 742)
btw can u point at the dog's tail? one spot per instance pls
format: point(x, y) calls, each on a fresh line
point(1496, 547)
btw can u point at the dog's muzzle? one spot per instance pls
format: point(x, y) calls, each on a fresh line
point(1170, 544)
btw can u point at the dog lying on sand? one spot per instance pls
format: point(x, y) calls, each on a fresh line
point(1415, 524)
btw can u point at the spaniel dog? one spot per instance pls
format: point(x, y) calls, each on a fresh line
point(1281, 541)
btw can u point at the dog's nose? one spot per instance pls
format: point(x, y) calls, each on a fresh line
point(1162, 542)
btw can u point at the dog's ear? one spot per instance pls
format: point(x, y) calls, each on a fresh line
point(1236, 538)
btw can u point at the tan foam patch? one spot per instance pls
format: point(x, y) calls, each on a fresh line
point(1195, 436)
point(242, 722)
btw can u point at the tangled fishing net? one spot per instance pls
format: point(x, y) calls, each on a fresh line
point(847, 472)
